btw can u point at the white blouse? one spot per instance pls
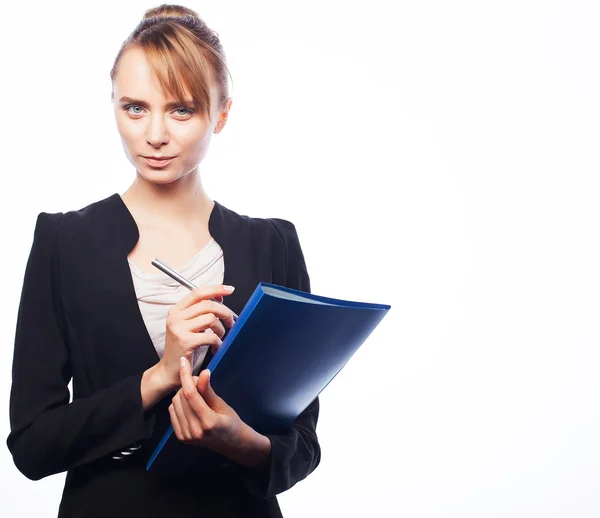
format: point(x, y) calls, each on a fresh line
point(157, 292)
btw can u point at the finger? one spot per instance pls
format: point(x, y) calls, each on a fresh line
point(181, 417)
point(228, 318)
point(206, 390)
point(200, 293)
point(214, 347)
point(208, 306)
point(175, 423)
point(204, 339)
point(188, 388)
point(204, 413)
point(207, 321)
point(218, 329)
point(193, 423)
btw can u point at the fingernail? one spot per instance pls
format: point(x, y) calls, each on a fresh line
point(208, 374)
point(228, 288)
point(182, 361)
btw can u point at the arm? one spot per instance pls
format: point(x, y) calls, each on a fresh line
point(295, 454)
point(48, 434)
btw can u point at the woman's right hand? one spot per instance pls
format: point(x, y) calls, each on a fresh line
point(186, 320)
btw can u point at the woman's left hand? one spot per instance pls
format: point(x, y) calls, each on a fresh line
point(200, 417)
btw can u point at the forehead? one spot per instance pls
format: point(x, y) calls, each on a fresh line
point(134, 79)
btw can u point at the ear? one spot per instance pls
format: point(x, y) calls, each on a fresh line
point(223, 116)
point(221, 124)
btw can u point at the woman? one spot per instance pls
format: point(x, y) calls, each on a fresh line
point(94, 309)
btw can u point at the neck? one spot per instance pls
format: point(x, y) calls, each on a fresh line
point(182, 202)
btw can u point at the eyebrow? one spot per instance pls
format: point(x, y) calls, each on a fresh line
point(172, 104)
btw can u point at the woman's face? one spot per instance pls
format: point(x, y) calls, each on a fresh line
point(152, 127)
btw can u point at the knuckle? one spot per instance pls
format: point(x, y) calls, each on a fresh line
point(171, 320)
point(188, 343)
point(200, 290)
point(196, 432)
point(208, 320)
point(209, 426)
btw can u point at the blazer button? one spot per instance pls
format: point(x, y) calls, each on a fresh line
point(130, 450)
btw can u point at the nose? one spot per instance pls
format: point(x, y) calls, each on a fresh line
point(157, 133)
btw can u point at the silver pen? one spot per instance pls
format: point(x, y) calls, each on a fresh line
point(182, 280)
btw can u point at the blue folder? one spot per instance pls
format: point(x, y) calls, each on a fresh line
point(285, 348)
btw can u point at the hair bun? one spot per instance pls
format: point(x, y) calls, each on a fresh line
point(167, 10)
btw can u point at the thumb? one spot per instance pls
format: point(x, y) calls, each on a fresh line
point(206, 390)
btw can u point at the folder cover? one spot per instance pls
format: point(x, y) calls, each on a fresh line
point(285, 348)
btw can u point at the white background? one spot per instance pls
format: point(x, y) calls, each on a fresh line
point(441, 157)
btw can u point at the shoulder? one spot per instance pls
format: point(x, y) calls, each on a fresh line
point(279, 232)
point(272, 231)
point(102, 220)
point(89, 214)
point(46, 223)
point(45, 231)
point(74, 218)
point(285, 228)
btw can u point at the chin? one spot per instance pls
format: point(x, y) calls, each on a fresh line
point(156, 175)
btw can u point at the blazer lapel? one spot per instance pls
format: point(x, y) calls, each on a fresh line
point(232, 232)
point(118, 234)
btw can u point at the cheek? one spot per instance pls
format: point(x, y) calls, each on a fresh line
point(197, 151)
point(128, 130)
point(194, 144)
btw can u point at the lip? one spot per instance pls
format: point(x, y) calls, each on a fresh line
point(154, 162)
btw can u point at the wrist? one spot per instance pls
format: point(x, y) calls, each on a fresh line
point(154, 386)
point(252, 449)
point(162, 380)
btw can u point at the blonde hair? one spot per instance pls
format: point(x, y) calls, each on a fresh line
point(181, 50)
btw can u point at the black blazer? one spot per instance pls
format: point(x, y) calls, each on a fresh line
point(79, 318)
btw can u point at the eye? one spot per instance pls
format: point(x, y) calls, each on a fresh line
point(188, 111)
point(126, 108)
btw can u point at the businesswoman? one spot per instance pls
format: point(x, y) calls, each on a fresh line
point(93, 309)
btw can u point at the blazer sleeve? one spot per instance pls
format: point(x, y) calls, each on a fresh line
point(295, 453)
point(48, 434)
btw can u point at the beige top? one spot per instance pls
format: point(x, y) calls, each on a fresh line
point(157, 292)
